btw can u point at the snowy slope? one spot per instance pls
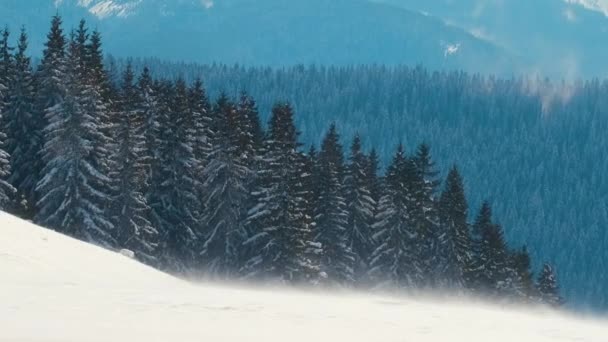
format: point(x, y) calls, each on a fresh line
point(53, 288)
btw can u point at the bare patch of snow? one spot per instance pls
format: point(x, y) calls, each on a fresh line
point(451, 49)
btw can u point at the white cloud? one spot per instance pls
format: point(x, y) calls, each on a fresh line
point(482, 33)
point(207, 3)
point(594, 5)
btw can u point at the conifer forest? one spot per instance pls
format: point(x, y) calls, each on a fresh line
point(332, 179)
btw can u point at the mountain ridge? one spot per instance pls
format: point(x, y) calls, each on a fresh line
point(271, 32)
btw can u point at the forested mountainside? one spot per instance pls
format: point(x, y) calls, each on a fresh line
point(549, 37)
point(269, 32)
point(199, 187)
point(534, 148)
point(558, 37)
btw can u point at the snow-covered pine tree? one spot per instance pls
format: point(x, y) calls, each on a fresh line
point(6, 67)
point(6, 62)
point(69, 200)
point(278, 223)
point(480, 278)
point(24, 129)
point(173, 198)
point(51, 73)
point(331, 214)
point(523, 283)
point(490, 275)
point(149, 107)
point(394, 262)
point(431, 260)
point(307, 190)
point(94, 61)
point(224, 185)
point(6, 190)
point(159, 134)
point(130, 211)
point(202, 116)
point(96, 102)
point(373, 178)
point(361, 208)
point(251, 134)
point(415, 206)
point(548, 288)
point(453, 223)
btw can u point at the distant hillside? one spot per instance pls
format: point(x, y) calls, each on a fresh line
point(557, 37)
point(270, 32)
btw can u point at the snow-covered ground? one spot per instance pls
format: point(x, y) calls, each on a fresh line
point(56, 289)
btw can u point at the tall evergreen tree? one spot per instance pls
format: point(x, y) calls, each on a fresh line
point(6, 189)
point(6, 66)
point(279, 222)
point(491, 261)
point(149, 107)
point(51, 73)
point(394, 260)
point(69, 198)
point(331, 215)
point(94, 61)
point(6, 61)
point(224, 195)
point(250, 132)
point(431, 234)
point(130, 209)
point(361, 208)
point(100, 107)
point(523, 283)
point(24, 129)
point(307, 188)
point(202, 116)
point(456, 247)
point(173, 198)
point(548, 288)
point(373, 177)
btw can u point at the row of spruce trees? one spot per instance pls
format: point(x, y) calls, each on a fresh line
point(191, 187)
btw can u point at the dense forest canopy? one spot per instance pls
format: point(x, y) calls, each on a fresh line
point(143, 158)
point(534, 147)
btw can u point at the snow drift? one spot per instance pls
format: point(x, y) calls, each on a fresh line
point(53, 288)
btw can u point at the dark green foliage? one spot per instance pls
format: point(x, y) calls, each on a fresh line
point(361, 207)
point(534, 147)
point(491, 258)
point(523, 283)
point(331, 214)
point(224, 193)
point(130, 211)
point(70, 197)
point(453, 211)
point(547, 287)
point(6, 190)
point(24, 130)
point(173, 197)
point(396, 262)
point(279, 222)
point(428, 216)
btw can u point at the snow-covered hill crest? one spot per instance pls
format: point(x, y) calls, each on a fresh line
point(55, 288)
point(106, 8)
